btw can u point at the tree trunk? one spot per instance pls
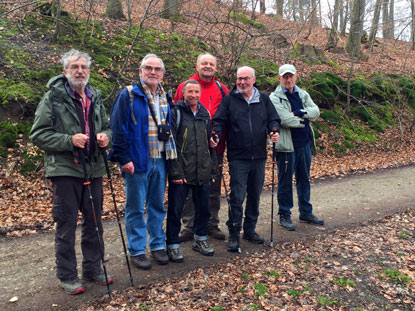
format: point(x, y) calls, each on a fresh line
point(385, 19)
point(391, 19)
point(333, 37)
point(114, 9)
point(314, 19)
point(130, 20)
point(344, 20)
point(356, 26)
point(375, 24)
point(56, 13)
point(171, 8)
point(262, 7)
point(280, 7)
point(413, 24)
point(91, 4)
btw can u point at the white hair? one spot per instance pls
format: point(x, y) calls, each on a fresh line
point(77, 54)
point(145, 58)
point(252, 70)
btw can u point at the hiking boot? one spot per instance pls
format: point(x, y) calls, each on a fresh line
point(185, 235)
point(253, 238)
point(203, 248)
point(216, 233)
point(72, 286)
point(160, 256)
point(175, 255)
point(286, 222)
point(233, 243)
point(98, 278)
point(141, 262)
point(311, 219)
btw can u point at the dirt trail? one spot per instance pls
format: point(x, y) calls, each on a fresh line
point(27, 268)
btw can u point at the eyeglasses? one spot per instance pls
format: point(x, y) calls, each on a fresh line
point(150, 69)
point(240, 79)
point(76, 67)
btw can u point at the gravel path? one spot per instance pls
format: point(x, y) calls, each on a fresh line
point(27, 268)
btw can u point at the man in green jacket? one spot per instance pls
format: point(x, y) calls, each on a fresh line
point(71, 117)
point(295, 147)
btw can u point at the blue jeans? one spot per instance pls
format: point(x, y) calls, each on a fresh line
point(247, 177)
point(288, 163)
point(145, 188)
point(177, 197)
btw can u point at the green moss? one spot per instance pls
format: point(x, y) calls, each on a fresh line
point(325, 88)
point(332, 117)
point(242, 18)
point(13, 91)
point(266, 72)
point(357, 88)
point(8, 135)
point(333, 64)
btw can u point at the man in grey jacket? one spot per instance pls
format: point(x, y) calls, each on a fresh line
point(295, 147)
point(71, 117)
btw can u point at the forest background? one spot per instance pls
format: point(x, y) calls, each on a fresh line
point(363, 84)
point(355, 58)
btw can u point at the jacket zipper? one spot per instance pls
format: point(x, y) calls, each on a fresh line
point(250, 127)
point(184, 140)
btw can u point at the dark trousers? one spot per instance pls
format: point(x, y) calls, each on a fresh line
point(177, 196)
point(70, 196)
point(298, 163)
point(247, 177)
point(215, 192)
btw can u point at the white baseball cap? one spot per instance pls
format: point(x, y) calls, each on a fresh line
point(287, 68)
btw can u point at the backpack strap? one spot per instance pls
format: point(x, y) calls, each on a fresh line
point(129, 89)
point(220, 88)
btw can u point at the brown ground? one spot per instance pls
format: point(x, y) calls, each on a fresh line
point(354, 209)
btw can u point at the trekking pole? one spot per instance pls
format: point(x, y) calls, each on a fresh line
point(271, 241)
point(87, 183)
point(228, 199)
point(104, 155)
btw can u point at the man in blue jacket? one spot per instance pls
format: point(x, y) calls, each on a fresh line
point(296, 109)
point(248, 116)
point(141, 144)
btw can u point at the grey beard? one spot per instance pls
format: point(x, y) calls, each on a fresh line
point(77, 85)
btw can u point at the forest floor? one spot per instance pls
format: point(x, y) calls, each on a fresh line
point(362, 259)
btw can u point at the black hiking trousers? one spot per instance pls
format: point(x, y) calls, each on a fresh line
point(70, 196)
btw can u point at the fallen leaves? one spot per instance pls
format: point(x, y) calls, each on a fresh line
point(337, 271)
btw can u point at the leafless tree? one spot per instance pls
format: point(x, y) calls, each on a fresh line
point(388, 8)
point(91, 5)
point(334, 20)
point(114, 9)
point(172, 8)
point(353, 45)
point(130, 20)
point(375, 24)
point(56, 13)
point(413, 24)
point(279, 7)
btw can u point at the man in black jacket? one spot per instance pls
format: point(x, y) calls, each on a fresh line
point(194, 168)
point(248, 115)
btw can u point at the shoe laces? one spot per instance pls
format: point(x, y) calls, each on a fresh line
point(203, 244)
point(174, 251)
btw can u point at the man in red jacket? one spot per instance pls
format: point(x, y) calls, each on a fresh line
point(212, 93)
